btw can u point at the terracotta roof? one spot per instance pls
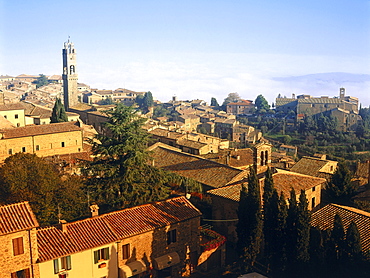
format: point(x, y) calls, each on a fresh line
point(11, 106)
point(324, 219)
point(33, 130)
point(205, 171)
point(191, 144)
point(16, 217)
point(4, 123)
point(166, 133)
point(309, 166)
point(241, 102)
point(237, 158)
point(284, 181)
point(110, 227)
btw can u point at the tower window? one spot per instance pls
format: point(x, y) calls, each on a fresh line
point(10, 151)
point(37, 147)
point(72, 69)
point(23, 149)
point(16, 116)
point(63, 144)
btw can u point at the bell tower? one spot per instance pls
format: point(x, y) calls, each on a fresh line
point(70, 76)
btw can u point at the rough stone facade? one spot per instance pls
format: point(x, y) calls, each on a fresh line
point(70, 76)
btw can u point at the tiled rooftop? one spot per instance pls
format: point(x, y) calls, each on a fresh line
point(207, 172)
point(284, 181)
point(16, 217)
point(324, 219)
point(108, 228)
point(309, 166)
point(33, 130)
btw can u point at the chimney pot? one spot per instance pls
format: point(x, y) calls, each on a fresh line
point(94, 210)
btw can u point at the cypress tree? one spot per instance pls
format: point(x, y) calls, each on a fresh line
point(58, 114)
point(250, 223)
point(270, 215)
point(353, 244)
point(303, 229)
point(337, 243)
point(291, 227)
point(278, 259)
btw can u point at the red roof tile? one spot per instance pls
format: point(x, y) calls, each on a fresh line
point(324, 219)
point(205, 171)
point(107, 228)
point(33, 130)
point(16, 217)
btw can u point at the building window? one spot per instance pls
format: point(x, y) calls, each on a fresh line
point(37, 147)
point(16, 116)
point(63, 144)
point(23, 149)
point(18, 124)
point(5, 116)
point(171, 236)
point(101, 254)
point(18, 246)
point(314, 188)
point(313, 202)
point(125, 251)
point(62, 264)
point(25, 273)
point(10, 151)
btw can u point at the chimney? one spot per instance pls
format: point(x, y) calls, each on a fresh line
point(63, 225)
point(94, 210)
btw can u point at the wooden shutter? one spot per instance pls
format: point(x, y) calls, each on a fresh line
point(96, 256)
point(27, 273)
point(56, 266)
point(125, 251)
point(69, 263)
point(18, 246)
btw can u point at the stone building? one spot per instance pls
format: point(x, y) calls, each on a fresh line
point(242, 107)
point(70, 77)
point(343, 108)
point(18, 256)
point(153, 240)
point(42, 140)
point(225, 200)
point(317, 166)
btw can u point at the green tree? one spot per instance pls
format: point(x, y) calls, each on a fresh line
point(291, 230)
point(42, 80)
point(249, 227)
point(353, 244)
point(270, 215)
point(106, 101)
point(337, 243)
point(147, 101)
point(232, 97)
point(58, 114)
point(121, 174)
point(214, 102)
point(261, 104)
point(26, 177)
point(303, 229)
point(340, 189)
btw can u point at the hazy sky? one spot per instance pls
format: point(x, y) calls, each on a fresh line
point(189, 48)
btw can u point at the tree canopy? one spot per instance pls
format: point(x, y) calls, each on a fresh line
point(261, 104)
point(27, 177)
point(121, 174)
point(214, 102)
point(59, 113)
point(232, 97)
point(42, 80)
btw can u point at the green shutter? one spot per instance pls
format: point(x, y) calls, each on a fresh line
point(69, 263)
point(56, 266)
point(96, 256)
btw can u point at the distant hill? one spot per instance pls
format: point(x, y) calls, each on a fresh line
point(327, 84)
point(330, 77)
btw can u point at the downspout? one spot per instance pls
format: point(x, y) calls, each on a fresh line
point(30, 244)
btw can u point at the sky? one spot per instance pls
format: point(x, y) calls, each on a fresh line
point(194, 49)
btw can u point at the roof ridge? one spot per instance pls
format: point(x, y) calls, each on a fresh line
point(352, 209)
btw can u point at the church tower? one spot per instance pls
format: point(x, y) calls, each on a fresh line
point(70, 76)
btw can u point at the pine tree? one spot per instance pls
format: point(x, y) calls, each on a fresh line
point(120, 176)
point(250, 223)
point(58, 114)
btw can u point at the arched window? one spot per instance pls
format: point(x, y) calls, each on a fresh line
point(262, 158)
point(266, 157)
point(72, 69)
